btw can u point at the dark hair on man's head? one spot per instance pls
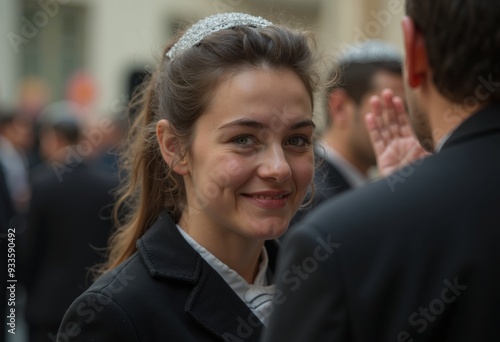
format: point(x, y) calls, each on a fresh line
point(357, 78)
point(68, 129)
point(62, 117)
point(6, 117)
point(355, 70)
point(462, 39)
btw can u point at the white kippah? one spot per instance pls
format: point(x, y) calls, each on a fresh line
point(370, 51)
point(211, 24)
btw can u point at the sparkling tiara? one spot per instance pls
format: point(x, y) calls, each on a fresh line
point(211, 24)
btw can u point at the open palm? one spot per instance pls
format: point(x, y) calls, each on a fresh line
point(392, 138)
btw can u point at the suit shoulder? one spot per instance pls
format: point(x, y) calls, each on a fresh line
point(123, 278)
point(90, 317)
point(373, 204)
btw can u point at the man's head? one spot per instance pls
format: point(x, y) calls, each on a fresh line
point(59, 127)
point(17, 129)
point(362, 71)
point(451, 64)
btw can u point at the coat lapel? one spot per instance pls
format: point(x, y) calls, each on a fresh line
point(215, 305)
point(212, 303)
point(166, 254)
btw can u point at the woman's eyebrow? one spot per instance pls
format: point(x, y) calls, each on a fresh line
point(304, 123)
point(243, 122)
point(256, 124)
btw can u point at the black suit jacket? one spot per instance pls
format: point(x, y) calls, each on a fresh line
point(414, 257)
point(328, 181)
point(164, 292)
point(69, 223)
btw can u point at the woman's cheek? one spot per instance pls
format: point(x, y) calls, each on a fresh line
point(304, 170)
point(230, 171)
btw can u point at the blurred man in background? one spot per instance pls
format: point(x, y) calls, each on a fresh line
point(68, 222)
point(16, 138)
point(344, 153)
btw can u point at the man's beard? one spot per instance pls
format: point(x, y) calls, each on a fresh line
point(419, 121)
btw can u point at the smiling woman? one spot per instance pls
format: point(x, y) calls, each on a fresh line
point(274, 166)
point(218, 161)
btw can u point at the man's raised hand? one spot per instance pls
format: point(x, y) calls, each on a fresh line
point(391, 136)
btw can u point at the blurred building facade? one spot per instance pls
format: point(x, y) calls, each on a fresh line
point(93, 46)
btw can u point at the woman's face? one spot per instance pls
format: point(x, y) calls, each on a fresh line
point(251, 160)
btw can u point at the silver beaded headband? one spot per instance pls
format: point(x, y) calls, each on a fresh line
point(211, 24)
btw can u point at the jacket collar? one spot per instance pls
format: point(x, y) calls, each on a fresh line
point(168, 256)
point(485, 121)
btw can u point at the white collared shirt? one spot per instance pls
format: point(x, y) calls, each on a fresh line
point(441, 142)
point(257, 296)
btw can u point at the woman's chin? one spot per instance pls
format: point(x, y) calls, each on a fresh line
point(270, 231)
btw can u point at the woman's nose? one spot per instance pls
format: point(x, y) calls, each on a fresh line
point(274, 164)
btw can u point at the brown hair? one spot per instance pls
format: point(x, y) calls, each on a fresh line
point(180, 91)
point(462, 42)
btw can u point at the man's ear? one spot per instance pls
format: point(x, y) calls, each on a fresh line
point(416, 62)
point(170, 148)
point(338, 101)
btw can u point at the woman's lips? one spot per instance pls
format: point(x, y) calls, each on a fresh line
point(269, 199)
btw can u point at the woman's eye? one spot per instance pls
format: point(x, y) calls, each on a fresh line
point(243, 140)
point(298, 141)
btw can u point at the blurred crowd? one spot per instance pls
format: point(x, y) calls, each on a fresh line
point(58, 170)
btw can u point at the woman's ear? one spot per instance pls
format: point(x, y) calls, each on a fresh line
point(170, 148)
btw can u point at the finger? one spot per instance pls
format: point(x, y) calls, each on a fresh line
point(405, 129)
point(377, 140)
point(378, 115)
point(376, 112)
point(372, 125)
point(390, 113)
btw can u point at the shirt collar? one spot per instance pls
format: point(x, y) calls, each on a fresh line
point(441, 142)
point(257, 296)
